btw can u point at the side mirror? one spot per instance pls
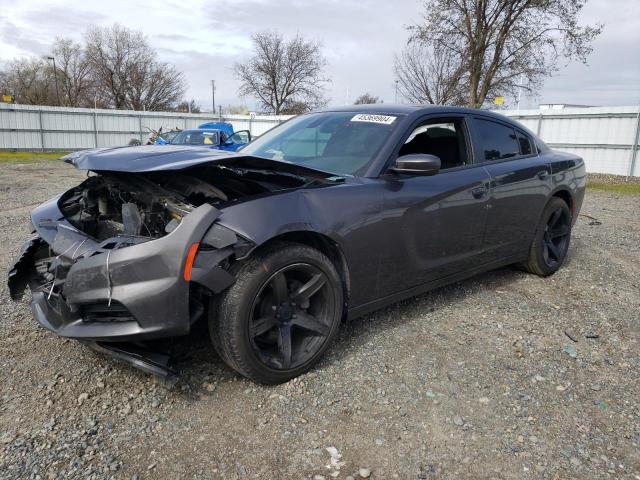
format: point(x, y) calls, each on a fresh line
point(417, 164)
point(241, 137)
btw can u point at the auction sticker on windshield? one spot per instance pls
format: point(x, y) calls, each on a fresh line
point(367, 117)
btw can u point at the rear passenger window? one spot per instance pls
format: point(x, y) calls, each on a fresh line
point(525, 143)
point(497, 141)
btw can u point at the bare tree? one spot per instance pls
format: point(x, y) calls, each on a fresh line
point(283, 74)
point(429, 75)
point(237, 110)
point(29, 81)
point(188, 106)
point(74, 73)
point(500, 42)
point(126, 69)
point(367, 98)
point(294, 107)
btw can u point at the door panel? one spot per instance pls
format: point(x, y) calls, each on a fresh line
point(519, 186)
point(435, 226)
point(519, 189)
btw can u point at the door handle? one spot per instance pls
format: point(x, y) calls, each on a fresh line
point(479, 192)
point(542, 174)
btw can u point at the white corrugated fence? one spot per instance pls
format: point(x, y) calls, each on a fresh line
point(28, 127)
point(606, 137)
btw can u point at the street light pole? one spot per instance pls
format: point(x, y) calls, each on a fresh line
point(55, 75)
point(396, 91)
point(213, 96)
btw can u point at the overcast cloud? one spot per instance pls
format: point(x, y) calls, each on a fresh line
point(204, 38)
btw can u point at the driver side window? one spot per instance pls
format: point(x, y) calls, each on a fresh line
point(443, 138)
point(241, 137)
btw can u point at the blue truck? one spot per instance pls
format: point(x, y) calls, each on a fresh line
point(216, 135)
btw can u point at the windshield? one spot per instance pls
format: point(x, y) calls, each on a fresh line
point(336, 142)
point(195, 137)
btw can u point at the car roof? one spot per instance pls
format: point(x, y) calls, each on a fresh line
point(201, 130)
point(414, 110)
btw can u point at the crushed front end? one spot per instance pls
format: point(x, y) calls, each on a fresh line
point(122, 288)
point(108, 259)
point(135, 252)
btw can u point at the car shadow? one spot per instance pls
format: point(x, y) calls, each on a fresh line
point(196, 358)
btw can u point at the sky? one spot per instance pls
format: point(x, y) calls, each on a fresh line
point(204, 38)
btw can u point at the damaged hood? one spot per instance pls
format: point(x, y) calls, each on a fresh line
point(155, 158)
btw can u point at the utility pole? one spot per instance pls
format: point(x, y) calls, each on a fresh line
point(55, 75)
point(396, 91)
point(213, 96)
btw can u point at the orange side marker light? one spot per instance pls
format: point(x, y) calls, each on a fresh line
point(188, 264)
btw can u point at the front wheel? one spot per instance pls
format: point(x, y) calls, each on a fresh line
point(280, 315)
point(551, 242)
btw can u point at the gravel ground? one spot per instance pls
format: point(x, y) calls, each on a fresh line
point(505, 376)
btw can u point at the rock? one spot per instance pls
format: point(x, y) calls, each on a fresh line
point(364, 472)
point(335, 462)
point(575, 462)
point(319, 477)
point(7, 437)
point(458, 420)
point(209, 387)
point(82, 397)
point(483, 400)
point(379, 441)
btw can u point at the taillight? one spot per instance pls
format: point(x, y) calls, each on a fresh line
point(188, 264)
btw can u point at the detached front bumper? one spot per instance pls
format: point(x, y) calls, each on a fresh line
point(134, 293)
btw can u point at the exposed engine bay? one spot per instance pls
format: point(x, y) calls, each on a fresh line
point(152, 204)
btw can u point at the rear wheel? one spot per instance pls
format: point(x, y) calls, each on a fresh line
point(551, 242)
point(280, 316)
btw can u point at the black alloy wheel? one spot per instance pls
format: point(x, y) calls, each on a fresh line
point(291, 316)
point(556, 237)
point(281, 314)
point(550, 244)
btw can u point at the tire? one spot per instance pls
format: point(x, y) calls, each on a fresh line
point(551, 241)
point(270, 333)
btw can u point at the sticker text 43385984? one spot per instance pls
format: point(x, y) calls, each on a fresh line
point(372, 118)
